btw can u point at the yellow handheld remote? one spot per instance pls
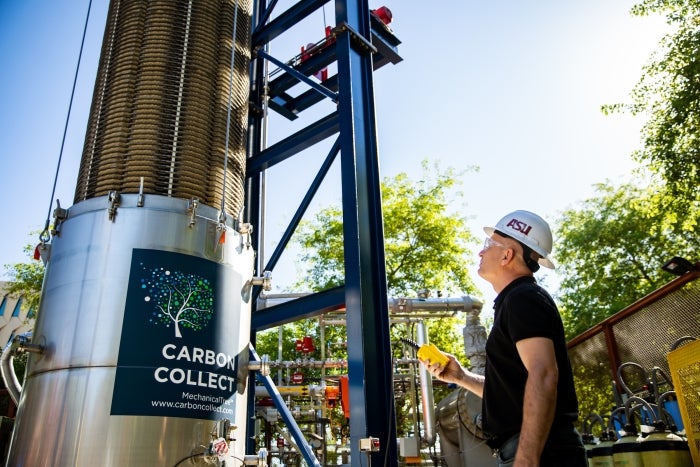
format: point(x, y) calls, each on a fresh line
point(428, 352)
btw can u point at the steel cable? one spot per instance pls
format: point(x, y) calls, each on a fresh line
point(44, 235)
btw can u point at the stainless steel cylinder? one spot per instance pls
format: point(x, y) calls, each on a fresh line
point(145, 322)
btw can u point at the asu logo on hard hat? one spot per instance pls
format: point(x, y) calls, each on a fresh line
point(520, 226)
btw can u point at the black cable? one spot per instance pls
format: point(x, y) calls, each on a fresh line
point(390, 414)
point(189, 457)
point(204, 453)
point(43, 237)
point(459, 413)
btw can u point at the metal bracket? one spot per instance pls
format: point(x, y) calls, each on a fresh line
point(113, 198)
point(43, 249)
point(246, 231)
point(59, 215)
point(22, 344)
point(223, 217)
point(265, 281)
point(263, 366)
point(192, 206)
point(140, 199)
point(355, 37)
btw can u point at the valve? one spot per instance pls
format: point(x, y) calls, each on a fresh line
point(259, 459)
point(22, 344)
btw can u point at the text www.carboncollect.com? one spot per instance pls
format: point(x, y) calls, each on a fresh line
point(190, 406)
point(205, 405)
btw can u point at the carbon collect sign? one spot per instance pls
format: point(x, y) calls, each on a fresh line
point(209, 379)
point(173, 347)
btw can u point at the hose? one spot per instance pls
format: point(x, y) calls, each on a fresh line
point(17, 346)
point(611, 423)
point(629, 427)
point(681, 341)
point(622, 381)
point(664, 415)
point(656, 381)
point(14, 388)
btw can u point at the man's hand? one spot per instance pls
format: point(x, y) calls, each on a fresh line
point(454, 372)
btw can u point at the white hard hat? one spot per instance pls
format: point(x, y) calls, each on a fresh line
point(529, 229)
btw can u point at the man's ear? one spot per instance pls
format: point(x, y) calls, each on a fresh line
point(507, 255)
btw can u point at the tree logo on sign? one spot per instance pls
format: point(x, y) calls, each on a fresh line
point(179, 299)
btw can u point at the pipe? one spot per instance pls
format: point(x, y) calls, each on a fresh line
point(628, 408)
point(432, 307)
point(409, 308)
point(311, 363)
point(14, 388)
point(426, 390)
point(300, 390)
point(17, 346)
point(401, 306)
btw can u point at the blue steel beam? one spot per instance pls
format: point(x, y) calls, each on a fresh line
point(367, 313)
point(303, 206)
point(308, 306)
point(264, 16)
point(254, 185)
point(303, 139)
point(300, 10)
point(300, 76)
point(290, 107)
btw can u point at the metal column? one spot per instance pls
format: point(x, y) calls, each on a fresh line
point(359, 48)
point(365, 274)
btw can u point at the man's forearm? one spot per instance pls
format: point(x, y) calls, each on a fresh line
point(472, 382)
point(538, 414)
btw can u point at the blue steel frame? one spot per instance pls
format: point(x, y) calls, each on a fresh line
point(359, 48)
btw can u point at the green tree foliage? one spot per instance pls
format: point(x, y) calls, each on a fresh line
point(610, 251)
point(594, 392)
point(669, 92)
point(26, 279)
point(426, 247)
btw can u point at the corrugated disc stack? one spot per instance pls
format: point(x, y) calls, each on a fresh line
point(161, 102)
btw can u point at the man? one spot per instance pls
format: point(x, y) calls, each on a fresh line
point(529, 403)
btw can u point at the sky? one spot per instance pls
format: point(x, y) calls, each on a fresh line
point(511, 87)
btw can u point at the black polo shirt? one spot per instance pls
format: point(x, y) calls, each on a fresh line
point(522, 310)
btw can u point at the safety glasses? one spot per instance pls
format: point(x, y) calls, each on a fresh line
point(489, 242)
